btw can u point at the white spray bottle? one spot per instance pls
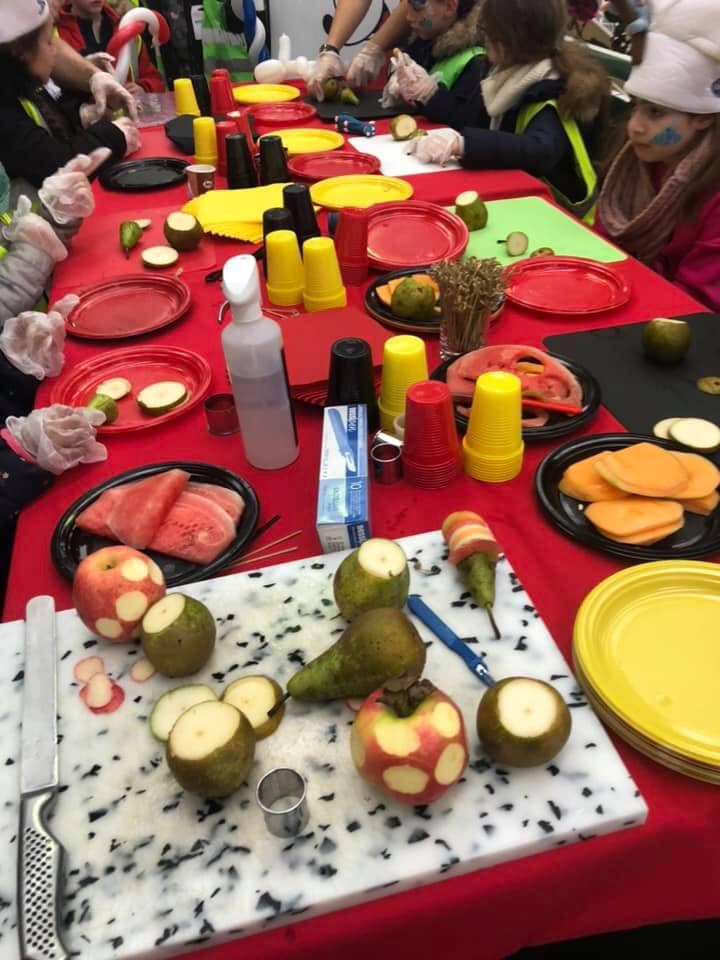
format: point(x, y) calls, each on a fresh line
point(253, 349)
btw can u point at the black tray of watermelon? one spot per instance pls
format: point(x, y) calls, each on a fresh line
point(208, 516)
point(545, 376)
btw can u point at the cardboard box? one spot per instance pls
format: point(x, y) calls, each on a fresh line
point(343, 504)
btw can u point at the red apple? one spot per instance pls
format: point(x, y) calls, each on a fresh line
point(113, 589)
point(412, 746)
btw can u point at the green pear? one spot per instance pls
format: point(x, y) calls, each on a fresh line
point(374, 575)
point(376, 647)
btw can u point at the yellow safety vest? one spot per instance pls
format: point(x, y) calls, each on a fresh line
point(583, 209)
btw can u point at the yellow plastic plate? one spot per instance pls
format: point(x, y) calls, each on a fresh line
point(265, 93)
point(308, 140)
point(647, 640)
point(230, 206)
point(359, 190)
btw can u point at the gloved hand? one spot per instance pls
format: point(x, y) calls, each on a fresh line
point(327, 66)
point(34, 341)
point(103, 61)
point(59, 437)
point(391, 96)
point(108, 94)
point(132, 135)
point(27, 227)
point(413, 82)
point(67, 194)
point(440, 146)
point(366, 65)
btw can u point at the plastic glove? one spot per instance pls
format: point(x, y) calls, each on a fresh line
point(109, 94)
point(33, 342)
point(327, 66)
point(414, 83)
point(440, 147)
point(391, 96)
point(27, 227)
point(103, 61)
point(59, 437)
point(67, 194)
point(366, 65)
point(132, 135)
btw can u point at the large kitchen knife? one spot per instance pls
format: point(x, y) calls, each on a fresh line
point(40, 856)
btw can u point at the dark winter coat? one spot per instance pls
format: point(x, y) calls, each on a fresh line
point(20, 483)
point(462, 104)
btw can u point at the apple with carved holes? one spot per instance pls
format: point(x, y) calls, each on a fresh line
point(409, 742)
point(112, 590)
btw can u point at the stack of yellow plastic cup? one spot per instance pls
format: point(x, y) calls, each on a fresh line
point(323, 281)
point(404, 363)
point(205, 137)
point(185, 99)
point(493, 446)
point(284, 268)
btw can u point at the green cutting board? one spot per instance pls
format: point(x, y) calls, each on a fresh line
point(545, 226)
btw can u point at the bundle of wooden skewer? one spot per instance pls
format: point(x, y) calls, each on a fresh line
point(470, 291)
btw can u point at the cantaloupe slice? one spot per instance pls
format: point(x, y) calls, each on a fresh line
point(647, 537)
point(644, 469)
point(633, 515)
point(703, 476)
point(702, 505)
point(581, 481)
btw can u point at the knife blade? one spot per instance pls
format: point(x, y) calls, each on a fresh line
point(342, 440)
point(442, 631)
point(40, 856)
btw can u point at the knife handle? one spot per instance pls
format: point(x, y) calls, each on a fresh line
point(443, 632)
point(40, 864)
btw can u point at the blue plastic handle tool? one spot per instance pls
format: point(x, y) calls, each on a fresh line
point(443, 632)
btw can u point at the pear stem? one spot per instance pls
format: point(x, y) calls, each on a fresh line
point(493, 624)
point(274, 709)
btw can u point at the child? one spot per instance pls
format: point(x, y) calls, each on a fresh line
point(37, 133)
point(661, 198)
point(539, 92)
point(442, 66)
point(88, 26)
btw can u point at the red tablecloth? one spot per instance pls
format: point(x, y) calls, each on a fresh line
point(669, 869)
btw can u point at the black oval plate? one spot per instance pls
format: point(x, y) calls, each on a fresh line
point(70, 545)
point(558, 425)
point(384, 315)
point(135, 176)
point(700, 537)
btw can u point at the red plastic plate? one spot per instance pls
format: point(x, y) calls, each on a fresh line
point(322, 166)
point(566, 285)
point(141, 366)
point(283, 114)
point(128, 307)
point(413, 233)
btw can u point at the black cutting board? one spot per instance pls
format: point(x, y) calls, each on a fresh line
point(637, 392)
point(368, 109)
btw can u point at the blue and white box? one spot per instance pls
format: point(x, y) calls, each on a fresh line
point(343, 507)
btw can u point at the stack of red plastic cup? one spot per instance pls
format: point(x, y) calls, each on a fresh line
point(223, 129)
point(432, 456)
point(222, 100)
point(351, 240)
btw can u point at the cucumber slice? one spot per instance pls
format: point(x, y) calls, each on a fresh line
point(516, 243)
point(173, 703)
point(160, 397)
point(662, 427)
point(115, 388)
point(159, 257)
point(709, 385)
point(700, 435)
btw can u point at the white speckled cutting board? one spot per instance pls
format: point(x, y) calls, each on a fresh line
point(152, 870)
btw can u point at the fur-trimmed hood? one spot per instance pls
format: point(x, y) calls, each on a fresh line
point(587, 86)
point(462, 34)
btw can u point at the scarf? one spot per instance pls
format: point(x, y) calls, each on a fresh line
point(638, 217)
point(503, 89)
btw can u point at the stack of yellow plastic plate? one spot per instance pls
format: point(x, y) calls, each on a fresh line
point(265, 93)
point(646, 648)
point(236, 214)
point(359, 190)
point(308, 140)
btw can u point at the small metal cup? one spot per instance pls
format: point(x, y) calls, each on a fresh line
point(387, 462)
point(281, 795)
point(221, 415)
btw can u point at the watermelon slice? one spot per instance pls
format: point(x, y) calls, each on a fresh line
point(94, 519)
point(229, 501)
point(195, 529)
point(137, 516)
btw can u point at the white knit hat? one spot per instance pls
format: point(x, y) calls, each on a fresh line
point(18, 17)
point(680, 68)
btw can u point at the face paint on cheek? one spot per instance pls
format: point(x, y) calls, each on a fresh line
point(426, 24)
point(669, 137)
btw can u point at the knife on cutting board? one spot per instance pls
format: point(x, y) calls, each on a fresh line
point(40, 856)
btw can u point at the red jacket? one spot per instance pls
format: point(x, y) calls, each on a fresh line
point(149, 77)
